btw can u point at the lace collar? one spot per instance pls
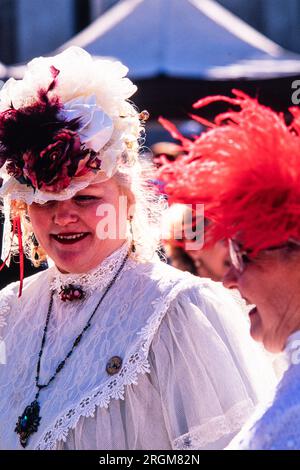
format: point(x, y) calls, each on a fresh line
point(97, 278)
point(292, 348)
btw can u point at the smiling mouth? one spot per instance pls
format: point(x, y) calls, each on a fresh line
point(253, 311)
point(70, 238)
point(251, 307)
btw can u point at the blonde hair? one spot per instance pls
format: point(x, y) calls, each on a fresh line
point(146, 207)
point(36, 254)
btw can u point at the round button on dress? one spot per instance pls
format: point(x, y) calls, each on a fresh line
point(114, 365)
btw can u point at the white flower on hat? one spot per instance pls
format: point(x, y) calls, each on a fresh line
point(95, 128)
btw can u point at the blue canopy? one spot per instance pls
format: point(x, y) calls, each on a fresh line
point(184, 39)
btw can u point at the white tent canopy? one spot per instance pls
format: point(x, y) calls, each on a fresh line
point(184, 39)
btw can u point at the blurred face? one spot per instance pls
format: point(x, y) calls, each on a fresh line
point(72, 232)
point(271, 283)
point(211, 262)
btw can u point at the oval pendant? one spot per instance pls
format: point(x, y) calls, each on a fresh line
point(28, 422)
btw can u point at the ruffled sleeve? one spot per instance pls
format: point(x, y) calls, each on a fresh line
point(276, 424)
point(206, 384)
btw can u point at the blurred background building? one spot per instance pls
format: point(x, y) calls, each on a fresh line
point(277, 19)
point(176, 50)
point(33, 27)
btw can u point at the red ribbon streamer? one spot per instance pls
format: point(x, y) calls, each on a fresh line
point(17, 230)
point(17, 222)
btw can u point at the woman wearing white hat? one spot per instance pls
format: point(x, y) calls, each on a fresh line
point(109, 348)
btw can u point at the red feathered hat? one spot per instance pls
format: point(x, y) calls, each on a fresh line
point(245, 169)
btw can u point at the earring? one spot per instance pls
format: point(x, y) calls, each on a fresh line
point(35, 249)
point(133, 248)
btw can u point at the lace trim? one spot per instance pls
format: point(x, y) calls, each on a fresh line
point(114, 388)
point(213, 430)
point(95, 278)
point(5, 308)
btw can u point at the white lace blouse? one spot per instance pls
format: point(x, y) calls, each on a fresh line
point(188, 380)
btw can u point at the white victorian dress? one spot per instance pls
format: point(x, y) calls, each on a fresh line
point(276, 424)
point(188, 380)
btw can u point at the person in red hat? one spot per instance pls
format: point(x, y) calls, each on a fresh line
point(246, 170)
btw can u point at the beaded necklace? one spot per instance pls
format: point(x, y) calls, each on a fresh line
point(28, 423)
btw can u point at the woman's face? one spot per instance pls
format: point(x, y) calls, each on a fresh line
point(72, 232)
point(271, 283)
point(211, 262)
